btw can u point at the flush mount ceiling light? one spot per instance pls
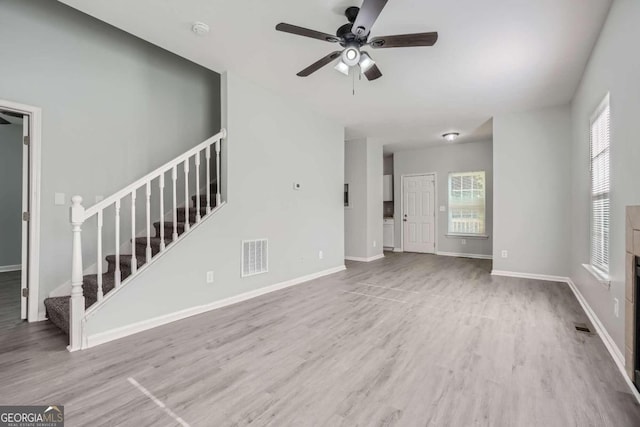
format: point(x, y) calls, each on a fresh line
point(200, 28)
point(451, 136)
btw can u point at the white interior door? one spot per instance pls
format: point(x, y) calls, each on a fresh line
point(25, 224)
point(419, 215)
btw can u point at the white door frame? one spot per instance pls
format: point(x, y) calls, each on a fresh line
point(33, 262)
point(435, 206)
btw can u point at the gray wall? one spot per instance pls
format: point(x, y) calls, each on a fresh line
point(113, 109)
point(387, 166)
point(272, 144)
point(374, 200)
point(443, 159)
point(363, 219)
point(531, 165)
point(612, 68)
point(355, 222)
point(10, 195)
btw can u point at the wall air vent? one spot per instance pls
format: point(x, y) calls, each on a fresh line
point(255, 257)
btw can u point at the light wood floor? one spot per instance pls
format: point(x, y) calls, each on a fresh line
point(410, 340)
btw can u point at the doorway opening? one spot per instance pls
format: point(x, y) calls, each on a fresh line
point(19, 212)
point(418, 211)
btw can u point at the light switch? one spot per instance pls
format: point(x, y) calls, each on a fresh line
point(443, 208)
point(60, 199)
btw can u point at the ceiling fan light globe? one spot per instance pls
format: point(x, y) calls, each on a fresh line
point(366, 62)
point(342, 67)
point(351, 56)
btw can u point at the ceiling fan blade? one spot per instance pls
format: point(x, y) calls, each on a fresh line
point(305, 32)
point(4, 122)
point(319, 64)
point(373, 73)
point(404, 40)
point(367, 16)
point(12, 114)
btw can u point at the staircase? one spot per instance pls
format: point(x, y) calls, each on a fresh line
point(92, 290)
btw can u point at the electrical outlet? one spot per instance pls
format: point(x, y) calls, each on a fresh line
point(209, 276)
point(505, 254)
point(320, 255)
point(616, 307)
point(463, 241)
point(443, 208)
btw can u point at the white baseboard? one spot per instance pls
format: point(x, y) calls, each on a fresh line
point(533, 276)
point(398, 250)
point(359, 259)
point(7, 268)
point(610, 345)
point(124, 331)
point(461, 255)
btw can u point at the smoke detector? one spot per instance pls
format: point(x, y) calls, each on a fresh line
point(200, 28)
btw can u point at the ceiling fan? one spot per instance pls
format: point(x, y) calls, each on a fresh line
point(353, 36)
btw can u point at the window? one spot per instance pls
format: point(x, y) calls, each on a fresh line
point(600, 188)
point(467, 203)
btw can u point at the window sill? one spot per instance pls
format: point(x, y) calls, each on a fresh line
point(600, 276)
point(467, 236)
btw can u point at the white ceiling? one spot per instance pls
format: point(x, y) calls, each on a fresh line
point(493, 56)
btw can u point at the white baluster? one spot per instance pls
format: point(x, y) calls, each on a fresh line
point(218, 198)
point(148, 221)
point(187, 225)
point(162, 245)
point(197, 160)
point(134, 261)
point(76, 309)
point(118, 274)
point(174, 177)
point(99, 257)
point(207, 155)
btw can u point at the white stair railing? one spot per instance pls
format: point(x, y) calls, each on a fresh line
point(79, 215)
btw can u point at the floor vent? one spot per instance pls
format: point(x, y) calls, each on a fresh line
point(581, 327)
point(255, 257)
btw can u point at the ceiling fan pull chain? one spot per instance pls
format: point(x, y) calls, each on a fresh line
point(354, 84)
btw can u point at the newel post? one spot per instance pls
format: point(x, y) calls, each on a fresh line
point(76, 309)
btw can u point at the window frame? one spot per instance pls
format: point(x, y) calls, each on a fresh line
point(453, 234)
point(600, 271)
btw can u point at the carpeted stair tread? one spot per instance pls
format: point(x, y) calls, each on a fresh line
point(125, 262)
point(58, 307)
point(168, 229)
point(141, 245)
point(203, 200)
point(58, 311)
point(90, 286)
point(192, 214)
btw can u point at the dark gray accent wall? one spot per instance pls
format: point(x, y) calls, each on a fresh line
point(114, 108)
point(10, 195)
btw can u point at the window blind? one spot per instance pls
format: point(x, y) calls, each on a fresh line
point(467, 203)
point(600, 187)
